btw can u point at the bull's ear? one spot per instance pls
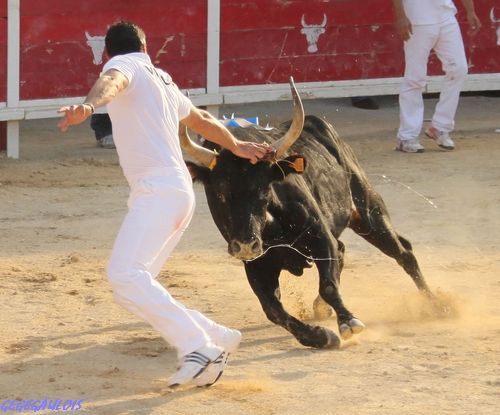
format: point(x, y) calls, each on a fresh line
point(292, 164)
point(198, 173)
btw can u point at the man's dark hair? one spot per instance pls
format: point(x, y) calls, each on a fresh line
point(124, 37)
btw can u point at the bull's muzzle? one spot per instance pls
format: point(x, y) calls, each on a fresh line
point(247, 250)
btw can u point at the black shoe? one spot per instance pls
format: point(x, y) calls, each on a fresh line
point(365, 103)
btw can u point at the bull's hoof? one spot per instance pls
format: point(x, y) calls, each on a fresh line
point(442, 305)
point(321, 338)
point(333, 341)
point(322, 310)
point(354, 326)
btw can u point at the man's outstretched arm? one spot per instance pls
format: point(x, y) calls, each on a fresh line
point(104, 90)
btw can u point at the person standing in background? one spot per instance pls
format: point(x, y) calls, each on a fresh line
point(427, 25)
point(103, 130)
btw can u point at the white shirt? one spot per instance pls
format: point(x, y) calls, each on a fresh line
point(145, 116)
point(423, 12)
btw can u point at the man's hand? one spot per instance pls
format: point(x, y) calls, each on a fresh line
point(210, 128)
point(403, 24)
point(403, 27)
point(73, 115)
point(474, 23)
point(251, 151)
point(107, 87)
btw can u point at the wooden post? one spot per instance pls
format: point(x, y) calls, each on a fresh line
point(13, 48)
point(213, 52)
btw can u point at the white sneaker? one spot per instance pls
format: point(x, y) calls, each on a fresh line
point(441, 138)
point(410, 146)
point(213, 372)
point(229, 340)
point(195, 363)
point(106, 142)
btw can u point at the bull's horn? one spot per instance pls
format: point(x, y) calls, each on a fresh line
point(303, 21)
point(492, 16)
point(197, 153)
point(323, 24)
point(285, 142)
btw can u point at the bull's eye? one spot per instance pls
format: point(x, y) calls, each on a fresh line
point(221, 197)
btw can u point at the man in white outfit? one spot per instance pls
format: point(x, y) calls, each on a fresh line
point(145, 107)
point(425, 25)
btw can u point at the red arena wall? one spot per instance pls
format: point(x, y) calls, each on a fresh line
point(261, 41)
point(265, 41)
point(59, 39)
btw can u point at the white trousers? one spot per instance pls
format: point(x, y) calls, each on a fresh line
point(446, 40)
point(160, 209)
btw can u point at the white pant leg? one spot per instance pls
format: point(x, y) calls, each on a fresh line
point(158, 213)
point(411, 103)
point(212, 329)
point(450, 51)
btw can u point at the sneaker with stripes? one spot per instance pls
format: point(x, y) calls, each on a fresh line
point(409, 146)
point(195, 363)
point(229, 340)
point(213, 372)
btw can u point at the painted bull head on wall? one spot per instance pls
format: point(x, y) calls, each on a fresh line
point(312, 33)
point(497, 23)
point(96, 43)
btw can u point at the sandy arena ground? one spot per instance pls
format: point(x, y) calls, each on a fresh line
point(63, 337)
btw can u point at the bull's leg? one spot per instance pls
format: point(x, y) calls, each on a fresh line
point(263, 277)
point(374, 225)
point(329, 290)
point(323, 310)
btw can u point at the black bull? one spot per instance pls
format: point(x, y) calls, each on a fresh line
point(288, 214)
